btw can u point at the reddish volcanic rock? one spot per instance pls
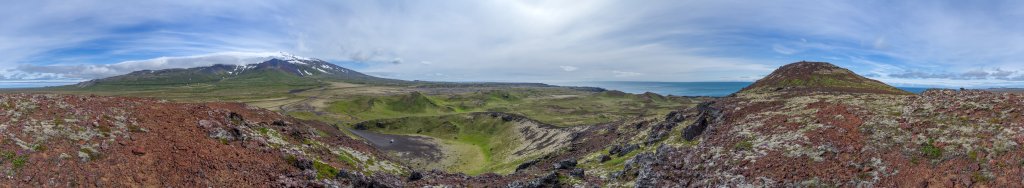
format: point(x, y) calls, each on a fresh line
point(61, 141)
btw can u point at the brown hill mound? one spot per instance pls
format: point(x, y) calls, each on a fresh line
point(818, 77)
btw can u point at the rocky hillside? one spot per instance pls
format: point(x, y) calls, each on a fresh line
point(941, 138)
point(89, 141)
point(793, 138)
point(84, 141)
point(818, 77)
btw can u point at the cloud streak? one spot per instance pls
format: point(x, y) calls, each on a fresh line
point(107, 70)
point(996, 74)
point(662, 40)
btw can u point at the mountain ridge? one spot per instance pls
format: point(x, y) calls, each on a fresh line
point(290, 65)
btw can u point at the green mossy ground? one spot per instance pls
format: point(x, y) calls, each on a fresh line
point(484, 142)
point(468, 135)
point(258, 85)
point(566, 110)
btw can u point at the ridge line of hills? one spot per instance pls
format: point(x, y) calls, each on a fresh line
point(296, 71)
point(286, 70)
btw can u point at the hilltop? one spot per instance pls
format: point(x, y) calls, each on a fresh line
point(811, 124)
point(818, 77)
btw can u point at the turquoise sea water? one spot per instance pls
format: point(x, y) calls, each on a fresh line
point(713, 89)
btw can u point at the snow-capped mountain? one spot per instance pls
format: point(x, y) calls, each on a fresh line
point(274, 67)
point(300, 66)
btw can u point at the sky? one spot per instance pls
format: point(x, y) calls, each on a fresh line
point(904, 43)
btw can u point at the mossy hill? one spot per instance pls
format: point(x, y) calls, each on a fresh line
point(818, 77)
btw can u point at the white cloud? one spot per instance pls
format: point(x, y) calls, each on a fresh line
point(106, 70)
point(567, 68)
point(879, 43)
point(626, 74)
point(784, 50)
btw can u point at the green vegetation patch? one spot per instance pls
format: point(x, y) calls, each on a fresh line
point(745, 145)
point(324, 170)
point(347, 158)
point(476, 143)
point(17, 161)
point(617, 163)
point(930, 151)
point(195, 86)
point(563, 110)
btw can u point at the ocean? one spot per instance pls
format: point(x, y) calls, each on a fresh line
point(32, 84)
point(713, 89)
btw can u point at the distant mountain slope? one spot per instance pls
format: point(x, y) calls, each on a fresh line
point(818, 77)
point(287, 69)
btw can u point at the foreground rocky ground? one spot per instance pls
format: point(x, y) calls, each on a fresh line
point(71, 141)
point(89, 141)
point(941, 138)
point(781, 134)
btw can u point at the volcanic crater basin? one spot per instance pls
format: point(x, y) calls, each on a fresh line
point(418, 151)
point(472, 143)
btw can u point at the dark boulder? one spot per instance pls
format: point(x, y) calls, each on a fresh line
point(639, 125)
point(647, 175)
point(577, 172)
point(218, 133)
point(343, 174)
point(707, 115)
point(236, 133)
point(304, 164)
point(551, 180)
point(614, 149)
point(415, 175)
point(279, 123)
point(236, 119)
point(660, 132)
point(360, 126)
point(628, 148)
point(566, 164)
point(358, 180)
point(605, 158)
point(675, 117)
point(526, 165)
point(547, 181)
point(300, 134)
